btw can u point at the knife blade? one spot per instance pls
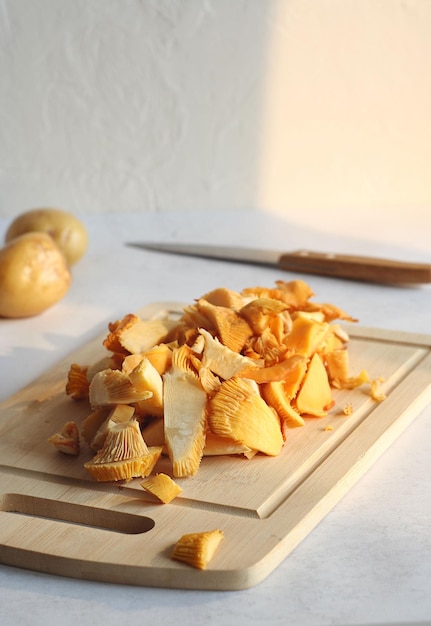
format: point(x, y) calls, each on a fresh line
point(353, 267)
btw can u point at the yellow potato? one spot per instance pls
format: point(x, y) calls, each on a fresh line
point(67, 231)
point(34, 275)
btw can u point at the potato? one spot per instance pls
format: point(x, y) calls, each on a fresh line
point(34, 275)
point(67, 231)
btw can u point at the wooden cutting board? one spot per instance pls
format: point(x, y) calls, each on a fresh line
point(54, 518)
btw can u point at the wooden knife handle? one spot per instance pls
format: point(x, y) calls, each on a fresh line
point(375, 270)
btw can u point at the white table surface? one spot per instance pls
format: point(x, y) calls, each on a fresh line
point(369, 560)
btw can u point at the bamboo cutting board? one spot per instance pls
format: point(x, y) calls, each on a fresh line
point(55, 518)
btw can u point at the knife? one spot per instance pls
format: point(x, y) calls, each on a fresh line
point(362, 268)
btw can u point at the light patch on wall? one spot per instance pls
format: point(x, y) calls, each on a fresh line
point(348, 96)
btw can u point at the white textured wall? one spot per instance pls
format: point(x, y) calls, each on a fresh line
point(174, 104)
point(131, 104)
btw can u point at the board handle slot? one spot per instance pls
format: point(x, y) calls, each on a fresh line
point(71, 513)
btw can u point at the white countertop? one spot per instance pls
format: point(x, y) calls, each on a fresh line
point(369, 560)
